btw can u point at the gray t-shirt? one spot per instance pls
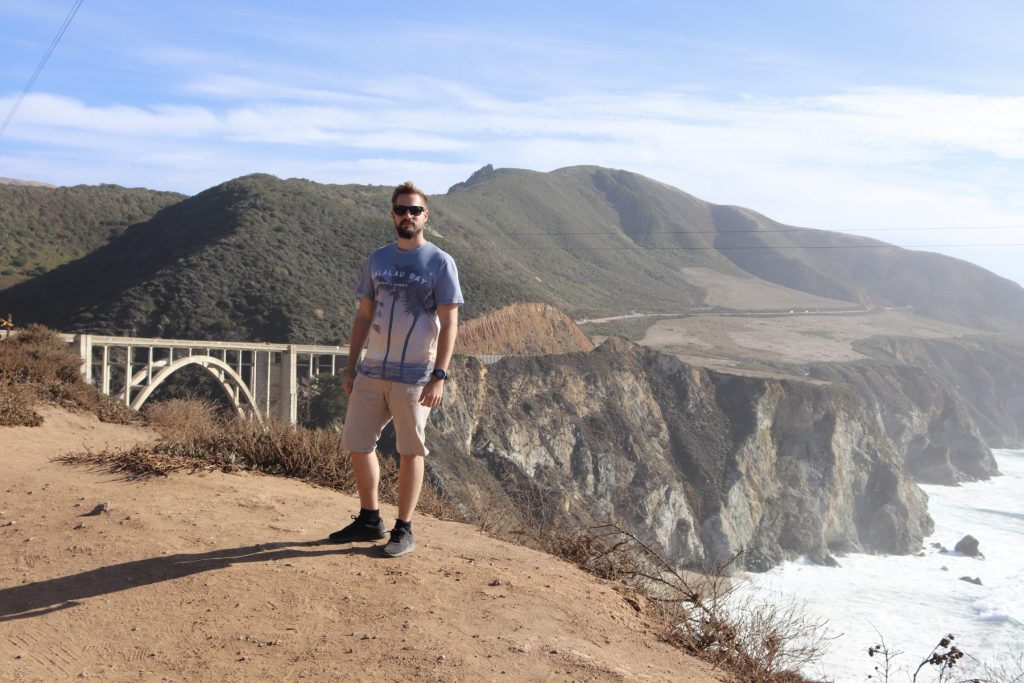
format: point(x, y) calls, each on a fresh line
point(407, 287)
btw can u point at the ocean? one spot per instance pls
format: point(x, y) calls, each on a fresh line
point(913, 601)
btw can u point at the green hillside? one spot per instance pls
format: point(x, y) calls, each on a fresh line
point(44, 227)
point(277, 260)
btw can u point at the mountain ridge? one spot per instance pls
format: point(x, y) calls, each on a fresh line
point(276, 260)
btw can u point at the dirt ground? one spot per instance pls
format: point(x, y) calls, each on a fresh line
point(744, 342)
point(221, 577)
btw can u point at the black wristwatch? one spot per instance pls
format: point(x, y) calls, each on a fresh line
point(438, 373)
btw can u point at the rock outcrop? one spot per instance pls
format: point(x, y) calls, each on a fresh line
point(522, 329)
point(702, 464)
point(968, 545)
point(986, 372)
point(927, 420)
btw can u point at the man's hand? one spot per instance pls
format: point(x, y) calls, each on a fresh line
point(432, 392)
point(348, 380)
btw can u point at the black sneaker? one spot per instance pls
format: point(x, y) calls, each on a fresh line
point(360, 530)
point(401, 542)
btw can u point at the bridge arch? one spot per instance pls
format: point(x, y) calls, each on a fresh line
point(228, 378)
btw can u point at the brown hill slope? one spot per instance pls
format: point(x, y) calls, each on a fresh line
point(219, 577)
point(522, 329)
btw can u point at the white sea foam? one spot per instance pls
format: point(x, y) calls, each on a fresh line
point(913, 601)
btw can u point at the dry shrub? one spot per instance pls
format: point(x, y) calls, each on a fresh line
point(138, 461)
point(184, 420)
point(16, 404)
point(703, 614)
point(1009, 669)
point(41, 368)
point(947, 662)
point(700, 613)
point(193, 437)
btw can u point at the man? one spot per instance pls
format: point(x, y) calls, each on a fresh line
point(409, 298)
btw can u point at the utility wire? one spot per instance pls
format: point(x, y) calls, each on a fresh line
point(619, 247)
point(745, 232)
point(46, 57)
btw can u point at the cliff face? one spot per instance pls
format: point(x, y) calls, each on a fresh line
point(700, 463)
point(987, 373)
point(928, 421)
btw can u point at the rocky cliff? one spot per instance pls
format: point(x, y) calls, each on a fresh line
point(987, 372)
point(928, 421)
point(700, 463)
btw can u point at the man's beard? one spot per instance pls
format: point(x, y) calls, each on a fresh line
point(407, 231)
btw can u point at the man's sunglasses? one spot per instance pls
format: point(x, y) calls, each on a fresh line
point(401, 210)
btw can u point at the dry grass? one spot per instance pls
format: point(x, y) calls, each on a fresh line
point(36, 367)
point(700, 613)
point(194, 437)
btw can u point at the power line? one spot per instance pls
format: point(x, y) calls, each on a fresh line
point(744, 232)
point(619, 247)
point(42, 63)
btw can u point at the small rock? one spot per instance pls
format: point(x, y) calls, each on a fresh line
point(495, 582)
point(8, 523)
point(80, 525)
point(968, 545)
point(944, 568)
point(77, 505)
point(98, 510)
point(439, 658)
point(976, 581)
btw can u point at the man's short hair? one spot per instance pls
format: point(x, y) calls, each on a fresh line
point(408, 188)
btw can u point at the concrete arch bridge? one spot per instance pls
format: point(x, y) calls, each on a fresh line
point(261, 380)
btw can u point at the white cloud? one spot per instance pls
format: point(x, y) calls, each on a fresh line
point(858, 158)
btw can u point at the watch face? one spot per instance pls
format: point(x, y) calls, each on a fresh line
point(440, 374)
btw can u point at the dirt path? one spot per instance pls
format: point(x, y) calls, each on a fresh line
point(220, 577)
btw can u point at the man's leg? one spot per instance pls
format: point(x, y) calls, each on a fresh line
point(367, 470)
point(367, 415)
point(410, 482)
point(410, 420)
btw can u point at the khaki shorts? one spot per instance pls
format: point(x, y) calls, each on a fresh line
point(374, 403)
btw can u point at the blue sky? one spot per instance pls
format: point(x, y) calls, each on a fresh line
point(856, 116)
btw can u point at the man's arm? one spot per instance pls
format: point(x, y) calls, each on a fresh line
point(360, 331)
point(448, 316)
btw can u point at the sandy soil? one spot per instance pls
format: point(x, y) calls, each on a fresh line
point(220, 577)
